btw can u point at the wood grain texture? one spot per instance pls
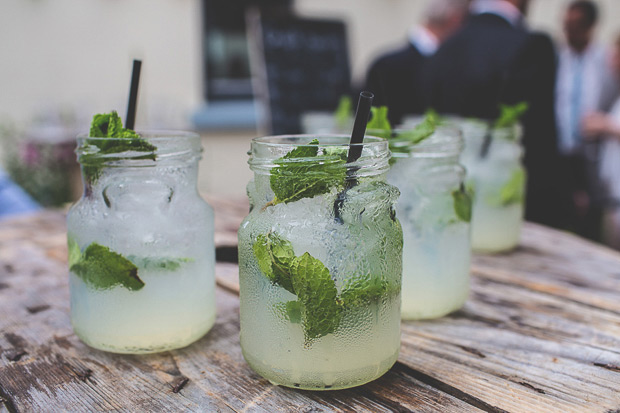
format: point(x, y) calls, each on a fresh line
point(540, 332)
point(45, 367)
point(229, 212)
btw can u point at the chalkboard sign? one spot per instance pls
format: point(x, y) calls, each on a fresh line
point(299, 65)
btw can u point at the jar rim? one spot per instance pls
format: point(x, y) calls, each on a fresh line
point(165, 145)
point(268, 152)
point(509, 132)
point(338, 139)
point(149, 135)
point(446, 141)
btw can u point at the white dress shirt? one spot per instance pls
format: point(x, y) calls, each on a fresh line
point(581, 79)
point(610, 159)
point(423, 40)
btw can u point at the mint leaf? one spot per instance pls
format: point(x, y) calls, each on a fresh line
point(293, 311)
point(109, 125)
point(420, 132)
point(510, 115)
point(433, 115)
point(343, 112)
point(275, 256)
point(316, 290)
point(74, 251)
point(103, 269)
point(462, 204)
point(403, 141)
point(379, 125)
point(513, 192)
point(306, 151)
point(362, 291)
point(318, 307)
point(289, 311)
point(339, 153)
point(302, 173)
point(99, 125)
point(158, 263)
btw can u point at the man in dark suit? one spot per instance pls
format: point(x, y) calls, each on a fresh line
point(394, 78)
point(493, 59)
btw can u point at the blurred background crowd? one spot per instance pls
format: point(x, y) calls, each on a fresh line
point(207, 68)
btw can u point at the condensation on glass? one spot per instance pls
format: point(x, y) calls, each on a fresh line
point(435, 211)
point(141, 247)
point(320, 279)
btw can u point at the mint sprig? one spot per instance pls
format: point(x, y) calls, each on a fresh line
point(316, 290)
point(462, 203)
point(109, 125)
point(420, 132)
point(101, 268)
point(343, 112)
point(275, 257)
point(75, 254)
point(319, 307)
point(510, 114)
point(513, 192)
point(303, 173)
point(158, 263)
point(379, 124)
point(363, 291)
point(293, 311)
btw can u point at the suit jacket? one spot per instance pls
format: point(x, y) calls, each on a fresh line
point(488, 62)
point(394, 78)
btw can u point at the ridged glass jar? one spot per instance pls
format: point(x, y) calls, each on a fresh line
point(320, 263)
point(495, 172)
point(434, 210)
point(141, 251)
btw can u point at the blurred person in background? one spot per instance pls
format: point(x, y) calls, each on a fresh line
point(605, 128)
point(394, 77)
point(494, 59)
point(584, 85)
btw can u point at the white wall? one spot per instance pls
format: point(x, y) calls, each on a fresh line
point(77, 55)
point(372, 25)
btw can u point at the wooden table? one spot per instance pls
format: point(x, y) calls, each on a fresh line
point(540, 332)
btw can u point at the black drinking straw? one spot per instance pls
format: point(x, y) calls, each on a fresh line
point(355, 146)
point(130, 120)
point(486, 142)
point(359, 126)
point(488, 136)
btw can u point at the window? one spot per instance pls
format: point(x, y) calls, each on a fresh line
point(227, 66)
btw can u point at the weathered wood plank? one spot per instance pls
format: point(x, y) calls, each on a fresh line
point(228, 277)
point(57, 372)
point(521, 350)
point(541, 332)
point(229, 212)
point(45, 367)
point(558, 263)
point(216, 365)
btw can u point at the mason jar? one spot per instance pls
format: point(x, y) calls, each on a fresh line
point(141, 251)
point(493, 159)
point(320, 263)
point(435, 211)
